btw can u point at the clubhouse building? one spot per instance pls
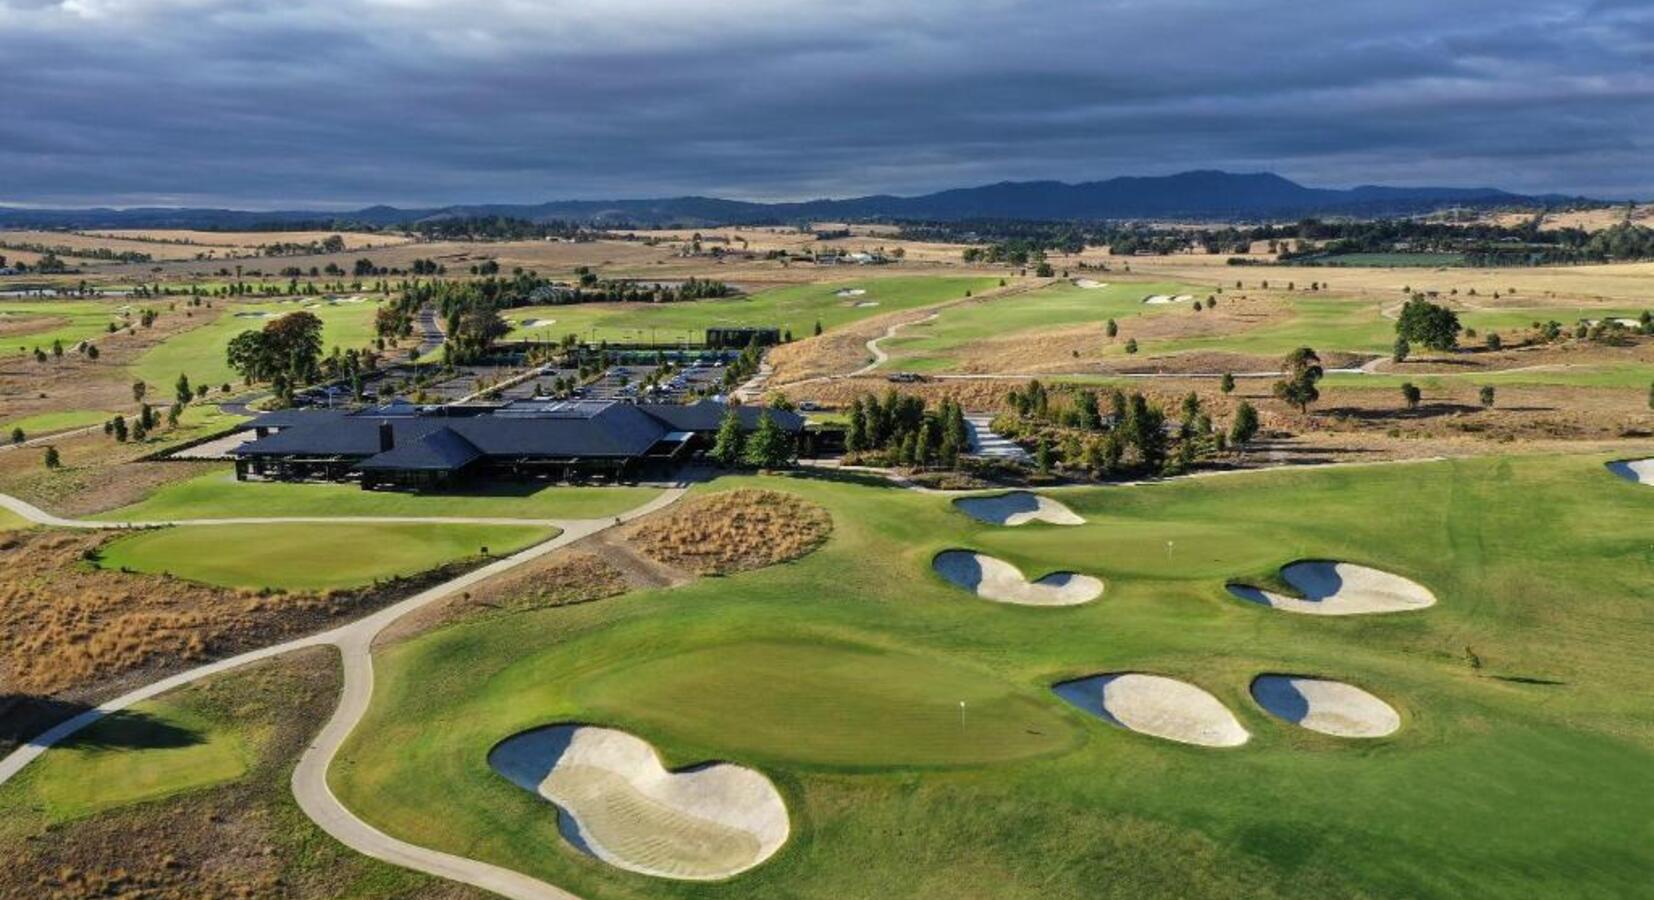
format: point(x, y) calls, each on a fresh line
point(400, 445)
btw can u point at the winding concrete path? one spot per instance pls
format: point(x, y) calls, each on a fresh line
point(355, 643)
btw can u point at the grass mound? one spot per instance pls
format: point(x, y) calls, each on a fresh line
point(735, 531)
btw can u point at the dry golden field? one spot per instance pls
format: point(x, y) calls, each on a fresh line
point(250, 240)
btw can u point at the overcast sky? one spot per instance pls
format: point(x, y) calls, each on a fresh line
point(339, 103)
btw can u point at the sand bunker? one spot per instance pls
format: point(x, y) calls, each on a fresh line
point(1160, 299)
point(259, 315)
point(866, 303)
point(996, 579)
point(537, 323)
point(1017, 508)
point(1628, 323)
point(617, 803)
point(850, 292)
point(1640, 471)
point(1340, 589)
point(1330, 707)
point(1090, 284)
point(1158, 706)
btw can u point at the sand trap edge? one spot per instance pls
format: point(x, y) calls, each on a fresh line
point(1064, 588)
point(1073, 692)
point(1289, 597)
point(570, 829)
point(1385, 719)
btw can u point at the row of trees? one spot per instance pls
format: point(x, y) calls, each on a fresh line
point(901, 431)
point(769, 446)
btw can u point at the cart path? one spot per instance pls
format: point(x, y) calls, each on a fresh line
point(355, 643)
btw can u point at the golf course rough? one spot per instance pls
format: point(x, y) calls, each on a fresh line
point(619, 804)
point(1158, 706)
point(995, 579)
point(1640, 471)
point(1340, 589)
point(1017, 508)
point(1330, 707)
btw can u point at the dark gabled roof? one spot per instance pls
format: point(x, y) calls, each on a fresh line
point(590, 429)
point(707, 415)
point(442, 450)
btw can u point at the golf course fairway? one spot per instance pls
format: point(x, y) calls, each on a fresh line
point(1523, 768)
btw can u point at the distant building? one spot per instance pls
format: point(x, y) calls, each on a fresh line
point(401, 445)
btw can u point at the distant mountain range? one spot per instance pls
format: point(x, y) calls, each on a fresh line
point(1207, 195)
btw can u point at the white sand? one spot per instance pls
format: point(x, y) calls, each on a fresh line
point(1330, 707)
point(259, 315)
point(1340, 589)
point(867, 303)
point(998, 580)
point(620, 805)
point(1017, 508)
point(850, 292)
point(1629, 323)
point(1090, 284)
point(1640, 471)
point(1161, 299)
point(537, 323)
point(1158, 706)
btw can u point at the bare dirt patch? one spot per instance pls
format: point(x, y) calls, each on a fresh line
point(734, 531)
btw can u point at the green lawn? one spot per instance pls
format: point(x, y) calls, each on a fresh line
point(1390, 260)
point(46, 423)
point(217, 495)
point(156, 749)
point(69, 321)
point(309, 556)
point(199, 353)
point(796, 308)
point(1523, 767)
point(930, 346)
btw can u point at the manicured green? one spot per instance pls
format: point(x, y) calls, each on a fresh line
point(859, 706)
point(69, 321)
point(309, 556)
point(156, 749)
point(929, 346)
point(217, 495)
point(796, 308)
point(46, 423)
point(199, 352)
point(1523, 766)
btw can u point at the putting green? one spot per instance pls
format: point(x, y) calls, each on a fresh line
point(828, 704)
point(309, 556)
point(218, 495)
point(156, 749)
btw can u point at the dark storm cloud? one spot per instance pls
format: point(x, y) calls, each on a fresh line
point(345, 102)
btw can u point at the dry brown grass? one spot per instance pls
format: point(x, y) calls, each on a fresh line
point(65, 624)
point(734, 531)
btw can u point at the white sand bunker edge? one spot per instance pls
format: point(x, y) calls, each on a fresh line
point(618, 803)
point(1017, 508)
point(1340, 589)
point(1330, 707)
point(849, 292)
point(536, 323)
point(995, 579)
point(1090, 284)
point(1157, 706)
point(1639, 471)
